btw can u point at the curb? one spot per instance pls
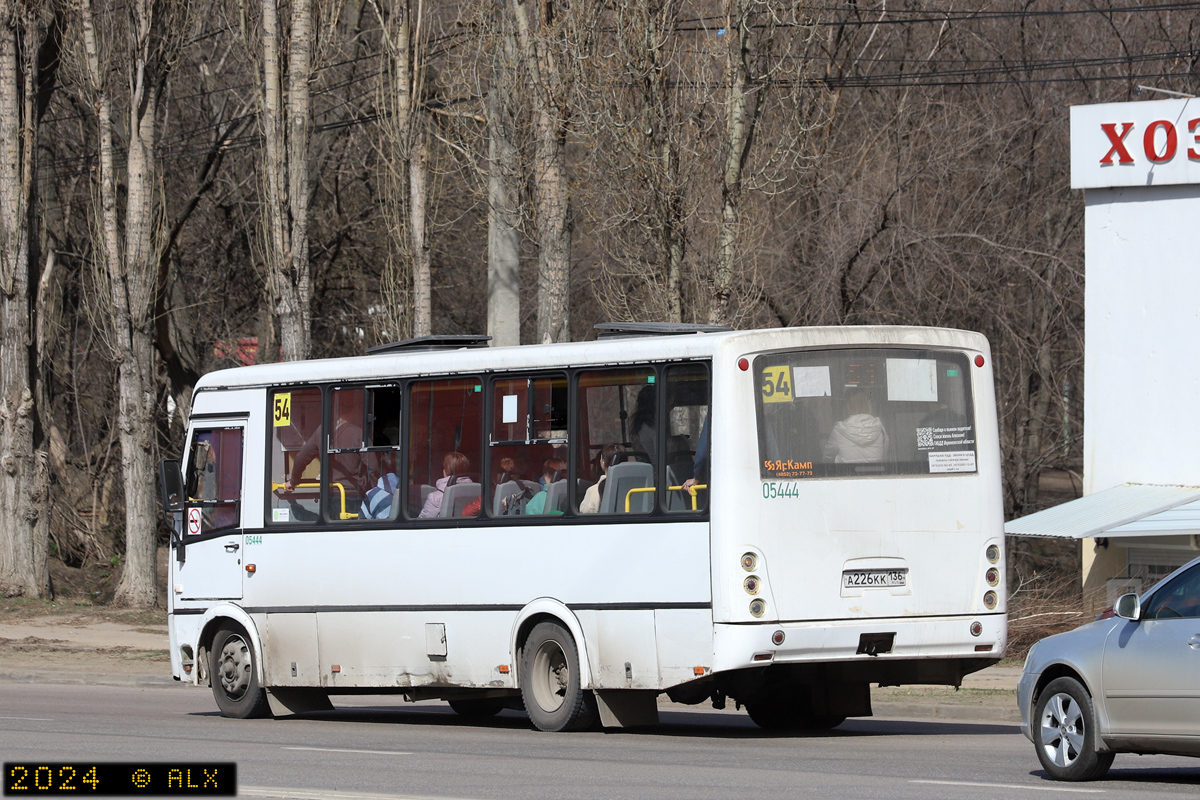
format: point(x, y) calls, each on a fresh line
point(991, 714)
point(85, 679)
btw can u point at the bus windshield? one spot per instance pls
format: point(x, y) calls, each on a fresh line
point(846, 413)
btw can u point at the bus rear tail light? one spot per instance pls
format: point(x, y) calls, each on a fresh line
point(749, 561)
point(743, 364)
point(757, 608)
point(777, 638)
point(990, 600)
point(983, 648)
point(762, 657)
point(992, 553)
point(992, 576)
point(976, 628)
point(752, 584)
point(979, 361)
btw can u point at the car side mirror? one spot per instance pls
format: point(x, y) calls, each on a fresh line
point(1128, 607)
point(170, 480)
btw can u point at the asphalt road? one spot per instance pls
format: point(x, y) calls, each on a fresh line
point(372, 747)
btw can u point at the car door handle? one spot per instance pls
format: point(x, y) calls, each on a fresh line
point(1194, 642)
point(232, 547)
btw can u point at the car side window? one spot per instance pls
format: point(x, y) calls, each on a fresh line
point(1178, 598)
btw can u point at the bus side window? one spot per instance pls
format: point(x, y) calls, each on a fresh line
point(363, 453)
point(214, 479)
point(445, 446)
point(689, 441)
point(528, 445)
point(295, 478)
point(619, 409)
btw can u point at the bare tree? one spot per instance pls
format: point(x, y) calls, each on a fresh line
point(139, 41)
point(504, 211)
point(29, 41)
point(407, 282)
point(285, 126)
point(553, 39)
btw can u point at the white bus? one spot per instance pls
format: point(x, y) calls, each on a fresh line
point(778, 517)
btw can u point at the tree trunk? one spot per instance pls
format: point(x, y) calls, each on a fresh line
point(285, 134)
point(129, 273)
point(738, 127)
point(407, 280)
point(551, 191)
point(24, 480)
point(504, 238)
point(418, 189)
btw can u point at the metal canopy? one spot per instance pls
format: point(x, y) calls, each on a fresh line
point(1132, 509)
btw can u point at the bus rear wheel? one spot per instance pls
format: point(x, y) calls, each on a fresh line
point(550, 681)
point(233, 673)
point(789, 714)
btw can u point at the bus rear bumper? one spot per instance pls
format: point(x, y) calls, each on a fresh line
point(738, 646)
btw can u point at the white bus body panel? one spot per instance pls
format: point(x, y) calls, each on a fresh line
point(365, 597)
point(936, 526)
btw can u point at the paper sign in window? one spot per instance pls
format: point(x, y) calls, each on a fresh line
point(812, 381)
point(952, 462)
point(912, 380)
point(510, 409)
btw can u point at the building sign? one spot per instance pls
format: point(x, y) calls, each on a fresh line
point(1154, 143)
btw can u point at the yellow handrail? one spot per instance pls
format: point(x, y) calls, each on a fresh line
point(341, 490)
point(633, 492)
point(690, 490)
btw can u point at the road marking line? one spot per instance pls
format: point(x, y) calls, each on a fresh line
point(1020, 786)
point(309, 794)
point(30, 719)
point(338, 750)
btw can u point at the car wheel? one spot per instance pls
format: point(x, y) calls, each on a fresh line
point(1064, 733)
point(550, 684)
point(234, 674)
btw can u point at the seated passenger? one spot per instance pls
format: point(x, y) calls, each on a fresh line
point(591, 498)
point(453, 467)
point(860, 437)
point(552, 469)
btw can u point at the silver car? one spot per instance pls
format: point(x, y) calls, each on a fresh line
point(1126, 684)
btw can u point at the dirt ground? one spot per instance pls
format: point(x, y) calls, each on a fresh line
point(77, 641)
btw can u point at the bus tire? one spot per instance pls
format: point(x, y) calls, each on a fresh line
point(780, 714)
point(472, 708)
point(1064, 733)
point(550, 682)
point(234, 672)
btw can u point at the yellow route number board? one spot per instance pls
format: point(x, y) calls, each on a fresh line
point(283, 409)
point(777, 384)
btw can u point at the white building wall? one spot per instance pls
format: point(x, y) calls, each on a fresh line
point(1139, 166)
point(1142, 336)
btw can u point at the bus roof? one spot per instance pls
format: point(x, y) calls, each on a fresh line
point(601, 352)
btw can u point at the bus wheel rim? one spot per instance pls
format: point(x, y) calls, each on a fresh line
point(234, 667)
point(551, 676)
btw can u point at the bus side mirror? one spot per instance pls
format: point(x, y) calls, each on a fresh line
point(1128, 607)
point(170, 481)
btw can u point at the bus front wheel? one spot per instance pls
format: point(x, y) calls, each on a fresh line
point(550, 681)
point(234, 675)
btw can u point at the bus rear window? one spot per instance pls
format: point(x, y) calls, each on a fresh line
point(844, 413)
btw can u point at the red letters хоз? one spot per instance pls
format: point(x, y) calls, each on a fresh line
point(1117, 141)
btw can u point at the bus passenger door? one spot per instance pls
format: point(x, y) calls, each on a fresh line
point(211, 568)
